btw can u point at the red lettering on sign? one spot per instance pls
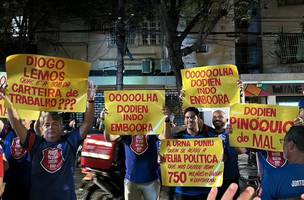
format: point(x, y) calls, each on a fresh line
point(41, 62)
point(150, 97)
point(132, 117)
point(43, 75)
point(263, 141)
point(266, 112)
point(261, 125)
point(209, 73)
point(206, 82)
point(132, 109)
point(36, 91)
point(34, 101)
point(177, 177)
point(140, 128)
point(206, 90)
point(214, 99)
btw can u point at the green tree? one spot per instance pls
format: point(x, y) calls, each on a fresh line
point(202, 17)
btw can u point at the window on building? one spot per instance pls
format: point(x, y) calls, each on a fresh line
point(150, 33)
point(290, 2)
point(130, 40)
point(291, 48)
point(19, 26)
point(147, 35)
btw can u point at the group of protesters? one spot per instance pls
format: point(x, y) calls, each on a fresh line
point(41, 158)
point(142, 182)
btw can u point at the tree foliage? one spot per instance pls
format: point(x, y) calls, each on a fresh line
point(202, 16)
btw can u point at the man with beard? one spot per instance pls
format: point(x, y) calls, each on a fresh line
point(194, 129)
point(231, 169)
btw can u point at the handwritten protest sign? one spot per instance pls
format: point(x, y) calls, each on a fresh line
point(46, 83)
point(260, 126)
point(23, 114)
point(192, 162)
point(211, 86)
point(134, 112)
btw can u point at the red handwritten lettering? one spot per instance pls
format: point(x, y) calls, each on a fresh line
point(206, 90)
point(267, 112)
point(132, 109)
point(206, 82)
point(34, 101)
point(214, 99)
point(133, 97)
point(45, 62)
point(132, 117)
point(263, 141)
point(131, 127)
point(209, 73)
point(36, 91)
point(43, 75)
point(261, 125)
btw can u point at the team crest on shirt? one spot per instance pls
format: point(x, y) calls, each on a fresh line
point(139, 144)
point(16, 150)
point(52, 159)
point(275, 159)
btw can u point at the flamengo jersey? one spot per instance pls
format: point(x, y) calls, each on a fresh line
point(53, 166)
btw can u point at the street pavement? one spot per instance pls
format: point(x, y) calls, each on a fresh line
point(248, 173)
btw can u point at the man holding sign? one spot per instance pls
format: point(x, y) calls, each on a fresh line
point(134, 116)
point(231, 170)
point(141, 179)
point(191, 120)
point(53, 155)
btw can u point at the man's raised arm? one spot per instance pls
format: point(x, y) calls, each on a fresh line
point(89, 113)
point(15, 121)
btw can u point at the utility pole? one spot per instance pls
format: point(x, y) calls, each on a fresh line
point(120, 33)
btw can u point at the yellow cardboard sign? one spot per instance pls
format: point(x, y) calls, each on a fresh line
point(134, 112)
point(211, 86)
point(46, 83)
point(192, 162)
point(23, 114)
point(260, 126)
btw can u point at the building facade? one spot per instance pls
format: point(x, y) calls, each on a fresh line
point(281, 35)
